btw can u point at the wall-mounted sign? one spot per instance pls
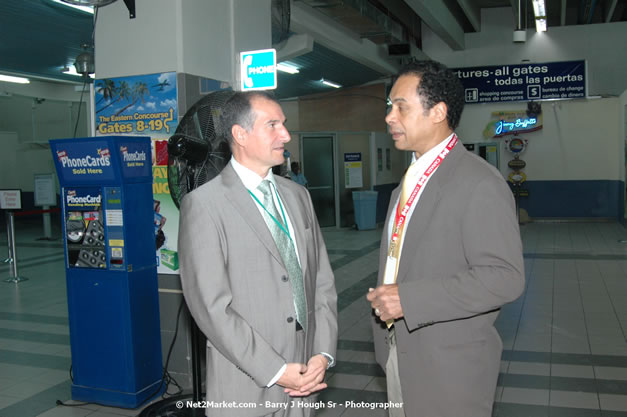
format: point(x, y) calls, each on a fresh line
point(136, 105)
point(258, 70)
point(516, 145)
point(524, 82)
point(504, 123)
point(353, 170)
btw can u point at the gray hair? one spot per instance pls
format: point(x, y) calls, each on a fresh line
point(238, 111)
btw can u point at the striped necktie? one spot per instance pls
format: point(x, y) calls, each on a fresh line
point(287, 250)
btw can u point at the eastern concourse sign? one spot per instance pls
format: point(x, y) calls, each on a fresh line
point(524, 82)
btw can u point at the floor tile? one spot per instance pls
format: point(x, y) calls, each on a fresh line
point(613, 402)
point(525, 396)
point(606, 372)
point(529, 368)
point(574, 399)
point(576, 371)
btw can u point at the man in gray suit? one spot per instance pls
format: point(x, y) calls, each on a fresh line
point(255, 273)
point(451, 256)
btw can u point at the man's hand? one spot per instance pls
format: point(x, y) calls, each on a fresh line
point(292, 378)
point(313, 377)
point(386, 302)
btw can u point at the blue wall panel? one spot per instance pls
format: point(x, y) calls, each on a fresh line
point(586, 198)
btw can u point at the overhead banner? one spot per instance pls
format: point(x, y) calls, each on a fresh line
point(524, 82)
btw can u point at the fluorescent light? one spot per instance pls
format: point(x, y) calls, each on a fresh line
point(539, 12)
point(10, 79)
point(285, 67)
point(538, 8)
point(71, 70)
point(86, 9)
point(540, 25)
point(330, 83)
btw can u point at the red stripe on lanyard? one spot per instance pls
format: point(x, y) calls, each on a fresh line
point(401, 215)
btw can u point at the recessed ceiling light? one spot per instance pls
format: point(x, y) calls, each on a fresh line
point(71, 70)
point(330, 83)
point(539, 12)
point(86, 9)
point(287, 67)
point(11, 79)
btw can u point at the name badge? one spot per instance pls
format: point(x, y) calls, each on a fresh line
point(390, 270)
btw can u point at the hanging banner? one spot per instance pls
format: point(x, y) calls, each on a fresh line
point(524, 82)
point(146, 105)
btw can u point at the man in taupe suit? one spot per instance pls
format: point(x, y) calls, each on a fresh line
point(255, 273)
point(451, 256)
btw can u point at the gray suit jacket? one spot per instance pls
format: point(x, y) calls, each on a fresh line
point(237, 289)
point(461, 259)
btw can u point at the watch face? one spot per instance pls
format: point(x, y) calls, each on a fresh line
point(75, 230)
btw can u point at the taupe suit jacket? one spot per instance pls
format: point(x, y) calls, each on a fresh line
point(461, 259)
point(237, 289)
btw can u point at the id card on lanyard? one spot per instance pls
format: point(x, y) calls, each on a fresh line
point(391, 264)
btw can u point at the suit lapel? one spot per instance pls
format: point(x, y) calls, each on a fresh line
point(425, 209)
point(244, 204)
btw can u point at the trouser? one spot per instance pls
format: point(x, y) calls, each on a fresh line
point(395, 394)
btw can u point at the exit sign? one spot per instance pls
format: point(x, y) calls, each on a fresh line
point(258, 70)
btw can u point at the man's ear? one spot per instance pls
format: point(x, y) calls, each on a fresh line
point(439, 112)
point(239, 134)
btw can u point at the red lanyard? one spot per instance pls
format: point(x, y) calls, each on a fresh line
point(401, 215)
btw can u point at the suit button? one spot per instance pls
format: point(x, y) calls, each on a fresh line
point(284, 278)
point(290, 319)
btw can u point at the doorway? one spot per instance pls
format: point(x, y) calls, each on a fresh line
point(317, 156)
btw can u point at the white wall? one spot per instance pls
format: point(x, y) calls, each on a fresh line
point(206, 44)
point(602, 45)
point(30, 115)
point(580, 139)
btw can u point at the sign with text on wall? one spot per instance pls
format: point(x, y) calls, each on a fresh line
point(258, 70)
point(524, 82)
point(146, 105)
point(353, 171)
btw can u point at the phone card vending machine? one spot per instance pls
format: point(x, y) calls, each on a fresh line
point(111, 272)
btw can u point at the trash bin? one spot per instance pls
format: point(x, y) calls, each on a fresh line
point(365, 203)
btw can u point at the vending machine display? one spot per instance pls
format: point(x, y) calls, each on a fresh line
point(109, 229)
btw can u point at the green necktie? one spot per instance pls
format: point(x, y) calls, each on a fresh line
point(287, 250)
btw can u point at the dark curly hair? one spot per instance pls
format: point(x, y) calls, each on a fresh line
point(437, 84)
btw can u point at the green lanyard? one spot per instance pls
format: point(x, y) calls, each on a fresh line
point(284, 228)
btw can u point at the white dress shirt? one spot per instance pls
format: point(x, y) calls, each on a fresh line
point(423, 163)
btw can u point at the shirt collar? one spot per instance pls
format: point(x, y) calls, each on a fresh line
point(431, 153)
point(250, 178)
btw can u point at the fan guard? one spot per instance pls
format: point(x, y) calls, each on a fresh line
point(197, 152)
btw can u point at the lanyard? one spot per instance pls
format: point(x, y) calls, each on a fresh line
point(283, 228)
point(401, 215)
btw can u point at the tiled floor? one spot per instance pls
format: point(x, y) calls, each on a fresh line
point(565, 348)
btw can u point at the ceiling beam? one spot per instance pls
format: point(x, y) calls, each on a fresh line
point(330, 34)
point(473, 13)
point(515, 12)
point(610, 12)
point(440, 20)
point(295, 45)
